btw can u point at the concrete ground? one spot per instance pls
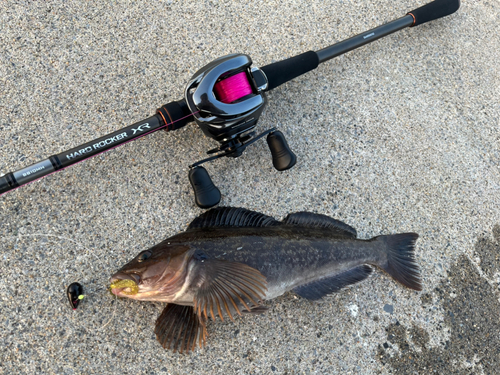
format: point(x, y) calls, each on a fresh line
point(399, 135)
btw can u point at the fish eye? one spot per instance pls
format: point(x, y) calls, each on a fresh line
point(143, 256)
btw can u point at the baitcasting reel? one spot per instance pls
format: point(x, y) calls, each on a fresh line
point(226, 98)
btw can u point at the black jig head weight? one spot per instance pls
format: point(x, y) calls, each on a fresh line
point(75, 294)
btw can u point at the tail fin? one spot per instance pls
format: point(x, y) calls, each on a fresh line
point(401, 264)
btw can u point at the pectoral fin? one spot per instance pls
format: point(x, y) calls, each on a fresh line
point(332, 284)
point(225, 287)
point(179, 328)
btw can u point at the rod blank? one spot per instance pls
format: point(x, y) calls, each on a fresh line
point(359, 40)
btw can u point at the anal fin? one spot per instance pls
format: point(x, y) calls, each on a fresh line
point(179, 328)
point(320, 288)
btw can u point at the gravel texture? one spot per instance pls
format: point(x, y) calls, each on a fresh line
point(399, 135)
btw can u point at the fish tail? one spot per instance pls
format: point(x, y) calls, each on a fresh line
point(401, 264)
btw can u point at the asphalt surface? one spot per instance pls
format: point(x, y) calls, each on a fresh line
point(399, 135)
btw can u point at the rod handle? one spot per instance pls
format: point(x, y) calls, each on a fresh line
point(283, 71)
point(434, 10)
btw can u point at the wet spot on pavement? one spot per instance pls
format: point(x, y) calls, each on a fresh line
point(471, 309)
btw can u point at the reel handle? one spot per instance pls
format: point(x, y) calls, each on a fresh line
point(206, 194)
point(283, 157)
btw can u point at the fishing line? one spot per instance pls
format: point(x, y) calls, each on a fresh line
point(83, 247)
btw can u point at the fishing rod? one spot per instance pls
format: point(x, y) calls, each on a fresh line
point(226, 98)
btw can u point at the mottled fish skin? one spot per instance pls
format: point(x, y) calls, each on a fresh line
point(230, 259)
point(288, 256)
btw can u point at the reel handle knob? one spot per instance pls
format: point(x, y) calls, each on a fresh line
point(206, 194)
point(283, 157)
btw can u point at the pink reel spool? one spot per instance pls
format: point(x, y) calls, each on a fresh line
point(233, 88)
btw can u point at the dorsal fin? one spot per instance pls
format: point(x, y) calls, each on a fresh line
point(309, 219)
point(232, 217)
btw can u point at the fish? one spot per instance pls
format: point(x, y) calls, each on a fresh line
point(230, 260)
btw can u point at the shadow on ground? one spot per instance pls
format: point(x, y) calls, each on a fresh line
point(471, 309)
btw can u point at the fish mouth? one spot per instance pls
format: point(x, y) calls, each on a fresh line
point(124, 284)
point(125, 276)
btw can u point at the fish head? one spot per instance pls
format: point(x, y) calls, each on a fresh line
point(156, 274)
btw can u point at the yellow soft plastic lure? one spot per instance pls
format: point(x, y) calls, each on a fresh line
point(132, 286)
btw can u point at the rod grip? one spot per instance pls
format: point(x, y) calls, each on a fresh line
point(434, 10)
point(283, 71)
